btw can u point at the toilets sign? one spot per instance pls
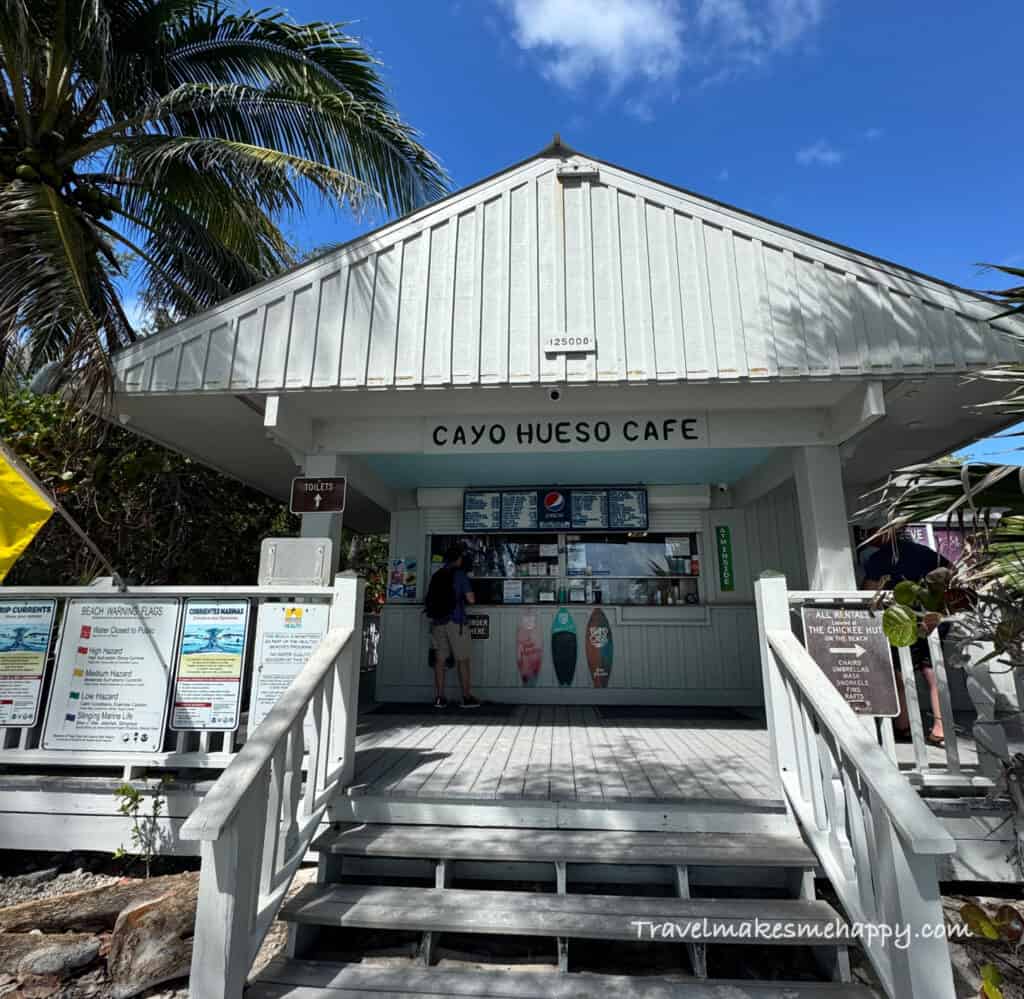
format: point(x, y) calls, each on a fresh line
point(667, 431)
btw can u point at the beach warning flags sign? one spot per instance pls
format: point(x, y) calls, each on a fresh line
point(24, 508)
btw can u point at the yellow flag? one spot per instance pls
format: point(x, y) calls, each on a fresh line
point(24, 508)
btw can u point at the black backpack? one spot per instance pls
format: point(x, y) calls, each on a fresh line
point(439, 604)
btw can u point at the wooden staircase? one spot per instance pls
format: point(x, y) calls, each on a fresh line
point(715, 893)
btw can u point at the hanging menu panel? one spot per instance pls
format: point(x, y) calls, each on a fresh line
point(519, 511)
point(481, 511)
point(627, 509)
point(619, 508)
point(590, 509)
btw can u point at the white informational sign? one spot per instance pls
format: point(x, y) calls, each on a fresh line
point(512, 591)
point(286, 635)
point(25, 628)
point(112, 676)
point(519, 511)
point(211, 655)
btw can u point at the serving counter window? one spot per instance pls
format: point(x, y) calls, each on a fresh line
point(647, 569)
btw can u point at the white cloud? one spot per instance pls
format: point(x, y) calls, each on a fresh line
point(640, 109)
point(723, 174)
point(753, 29)
point(872, 134)
point(617, 39)
point(819, 153)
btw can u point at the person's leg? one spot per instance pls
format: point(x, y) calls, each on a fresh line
point(933, 693)
point(462, 643)
point(901, 723)
point(441, 649)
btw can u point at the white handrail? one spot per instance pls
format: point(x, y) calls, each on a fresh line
point(259, 819)
point(222, 801)
point(922, 832)
point(874, 838)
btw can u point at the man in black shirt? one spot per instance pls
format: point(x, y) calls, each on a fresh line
point(902, 558)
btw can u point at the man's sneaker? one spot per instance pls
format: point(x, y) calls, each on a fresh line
point(440, 702)
point(470, 702)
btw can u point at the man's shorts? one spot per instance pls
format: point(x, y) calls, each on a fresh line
point(453, 640)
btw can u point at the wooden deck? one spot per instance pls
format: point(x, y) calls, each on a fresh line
point(563, 753)
point(559, 753)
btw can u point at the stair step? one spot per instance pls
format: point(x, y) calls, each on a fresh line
point(596, 917)
point(581, 846)
point(291, 979)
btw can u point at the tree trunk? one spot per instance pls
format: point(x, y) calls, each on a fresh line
point(152, 941)
point(91, 910)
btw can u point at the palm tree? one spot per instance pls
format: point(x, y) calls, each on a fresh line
point(177, 134)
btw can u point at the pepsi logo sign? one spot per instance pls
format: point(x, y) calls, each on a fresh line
point(554, 502)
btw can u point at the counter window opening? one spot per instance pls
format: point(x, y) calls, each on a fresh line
point(648, 569)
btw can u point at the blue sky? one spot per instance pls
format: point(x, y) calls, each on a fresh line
point(890, 127)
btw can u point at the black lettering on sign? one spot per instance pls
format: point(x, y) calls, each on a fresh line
point(651, 431)
point(602, 431)
point(459, 437)
point(667, 427)
point(582, 432)
point(690, 429)
point(441, 435)
point(631, 425)
point(524, 433)
point(477, 432)
point(541, 427)
point(562, 431)
point(497, 434)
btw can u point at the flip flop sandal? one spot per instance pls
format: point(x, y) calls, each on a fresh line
point(935, 741)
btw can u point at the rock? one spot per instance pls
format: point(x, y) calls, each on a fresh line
point(39, 877)
point(60, 958)
point(17, 947)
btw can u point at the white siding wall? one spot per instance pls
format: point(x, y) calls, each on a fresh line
point(675, 287)
point(664, 655)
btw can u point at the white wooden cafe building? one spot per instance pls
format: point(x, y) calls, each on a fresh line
point(647, 417)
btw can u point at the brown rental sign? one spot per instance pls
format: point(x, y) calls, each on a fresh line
point(318, 495)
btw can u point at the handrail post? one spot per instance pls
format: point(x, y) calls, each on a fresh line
point(346, 612)
point(228, 898)
point(772, 598)
point(909, 900)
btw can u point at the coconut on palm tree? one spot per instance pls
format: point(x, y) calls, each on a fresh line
point(178, 134)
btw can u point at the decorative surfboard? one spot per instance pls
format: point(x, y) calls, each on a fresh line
point(564, 647)
point(529, 654)
point(600, 648)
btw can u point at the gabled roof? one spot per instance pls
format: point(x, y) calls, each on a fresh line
point(675, 287)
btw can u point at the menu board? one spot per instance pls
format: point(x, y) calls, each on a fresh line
point(481, 511)
point(590, 509)
point(112, 676)
point(286, 635)
point(627, 509)
point(620, 508)
point(211, 654)
point(519, 511)
point(25, 627)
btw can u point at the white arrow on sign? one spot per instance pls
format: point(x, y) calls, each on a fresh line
point(317, 500)
point(854, 650)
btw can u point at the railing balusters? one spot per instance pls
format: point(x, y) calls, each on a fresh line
point(313, 771)
point(870, 830)
point(913, 709)
point(272, 833)
point(945, 702)
point(818, 772)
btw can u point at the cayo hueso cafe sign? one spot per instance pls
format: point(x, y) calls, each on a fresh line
point(669, 430)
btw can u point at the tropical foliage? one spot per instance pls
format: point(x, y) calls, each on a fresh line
point(182, 134)
point(984, 593)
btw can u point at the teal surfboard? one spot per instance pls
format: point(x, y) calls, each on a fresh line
point(564, 647)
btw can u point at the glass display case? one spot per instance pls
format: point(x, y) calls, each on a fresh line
point(646, 569)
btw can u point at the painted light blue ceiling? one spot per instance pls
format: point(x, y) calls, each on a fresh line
point(692, 467)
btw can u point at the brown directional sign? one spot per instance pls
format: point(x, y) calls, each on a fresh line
point(850, 647)
point(324, 495)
